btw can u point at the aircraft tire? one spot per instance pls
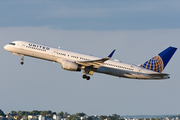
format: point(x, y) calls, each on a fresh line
point(22, 63)
point(84, 76)
point(87, 78)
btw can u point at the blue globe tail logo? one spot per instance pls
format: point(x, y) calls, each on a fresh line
point(155, 64)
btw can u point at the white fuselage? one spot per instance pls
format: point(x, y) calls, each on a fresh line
point(110, 67)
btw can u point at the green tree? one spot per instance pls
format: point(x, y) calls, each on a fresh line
point(44, 113)
point(114, 117)
point(26, 113)
point(49, 112)
point(89, 118)
point(102, 117)
point(2, 113)
point(73, 117)
point(20, 114)
point(35, 112)
point(19, 118)
point(13, 113)
point(61, 113)
point(140, 119)
point(80, 114)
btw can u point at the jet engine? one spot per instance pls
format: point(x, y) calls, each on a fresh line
point(71, 66)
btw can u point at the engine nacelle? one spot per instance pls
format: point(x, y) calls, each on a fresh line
point(71, 66)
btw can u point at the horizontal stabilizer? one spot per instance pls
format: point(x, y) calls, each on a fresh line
point(160, 74)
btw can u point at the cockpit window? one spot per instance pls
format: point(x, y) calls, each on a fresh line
point(12, 43)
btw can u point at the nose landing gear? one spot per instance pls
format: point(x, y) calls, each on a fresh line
point(22, 59)
point(86, 77)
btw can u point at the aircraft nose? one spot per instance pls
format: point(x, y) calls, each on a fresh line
point(6, 47)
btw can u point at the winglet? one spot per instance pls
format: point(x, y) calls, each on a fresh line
point(110, 55)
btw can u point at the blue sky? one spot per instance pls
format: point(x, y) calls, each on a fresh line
point(138, 30)
point(91, 15)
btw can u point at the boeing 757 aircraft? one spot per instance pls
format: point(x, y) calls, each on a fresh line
point(73, 61)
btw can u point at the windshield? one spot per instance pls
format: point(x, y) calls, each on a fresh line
point(12, 43)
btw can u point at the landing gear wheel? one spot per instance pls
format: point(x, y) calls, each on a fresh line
point(22, 59)
point(87, 78)
point(84, 76)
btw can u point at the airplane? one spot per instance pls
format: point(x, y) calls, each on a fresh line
point(72, 61)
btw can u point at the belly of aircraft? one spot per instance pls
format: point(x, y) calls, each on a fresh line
point(122, 73)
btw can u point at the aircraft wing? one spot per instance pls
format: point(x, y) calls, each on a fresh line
point(96, 63)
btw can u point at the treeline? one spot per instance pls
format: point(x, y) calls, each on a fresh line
point(50, 114)
point(113, 117)
point(102, 117)
point(36, 112)
point(21, 114)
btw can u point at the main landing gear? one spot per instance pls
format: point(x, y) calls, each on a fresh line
point(22, 59)
point(86, 77)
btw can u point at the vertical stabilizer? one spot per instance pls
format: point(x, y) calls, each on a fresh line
point(159, 62)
